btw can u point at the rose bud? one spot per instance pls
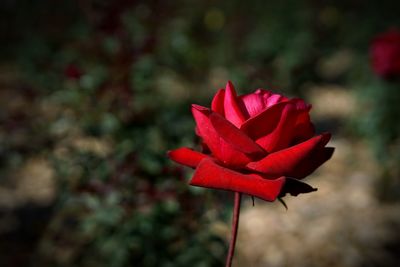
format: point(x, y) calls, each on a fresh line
point(385, 54)
point(73, 72)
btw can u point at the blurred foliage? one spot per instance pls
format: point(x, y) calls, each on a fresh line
point(102, 90)
point(378, 121)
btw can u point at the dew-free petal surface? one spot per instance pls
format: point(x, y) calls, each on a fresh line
point(282, 135)
point(217, 104)
point(211, 175)
point(285, 161)
point(186, 156)
point(234, 136)
point(232, 110)
point(220, 149)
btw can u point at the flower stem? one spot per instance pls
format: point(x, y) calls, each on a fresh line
point(235, 225)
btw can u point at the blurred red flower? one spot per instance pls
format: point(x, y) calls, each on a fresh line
point(73, 72)
point(385, 54)
point(261, 144)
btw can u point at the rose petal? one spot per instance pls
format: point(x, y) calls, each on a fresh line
point(254, 103)
point(301, 105)
point(274, 99)
point(231, 107)
point(234, 136)
point(217, 104)
point(221, 149)
point(303, 128)
point(285, 161)
point(282, 135)
point(186, 156)
point(211, 175)
point(312, 162)
point(263, 123)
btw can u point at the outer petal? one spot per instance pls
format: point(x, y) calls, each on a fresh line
point(186, 156)
point(234, 136)
point(211, 175)
point(285, 162)
point(221, 149)
point(233, 112)
point(217, 104)
point(301, 105)
point(312, 162)
point(303, 128)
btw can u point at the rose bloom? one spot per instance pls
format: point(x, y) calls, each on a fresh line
point(261, 144)
point(385, 54)
point(73, 72)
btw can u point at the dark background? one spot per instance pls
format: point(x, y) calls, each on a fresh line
point(93, 93)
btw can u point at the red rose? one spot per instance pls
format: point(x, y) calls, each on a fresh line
point(385, 54)
point(73, 72)
point(261, 144)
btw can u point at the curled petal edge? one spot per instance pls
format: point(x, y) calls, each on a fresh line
point(312, 162)
point(283, 162)
point(186, 156)
point(234, 136)
point(211, 175)
point(221, 149)
point(233, 112)
point(217, 104)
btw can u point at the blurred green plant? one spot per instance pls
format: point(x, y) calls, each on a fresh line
point(378, 122)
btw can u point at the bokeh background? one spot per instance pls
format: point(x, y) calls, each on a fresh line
point(93, 93)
